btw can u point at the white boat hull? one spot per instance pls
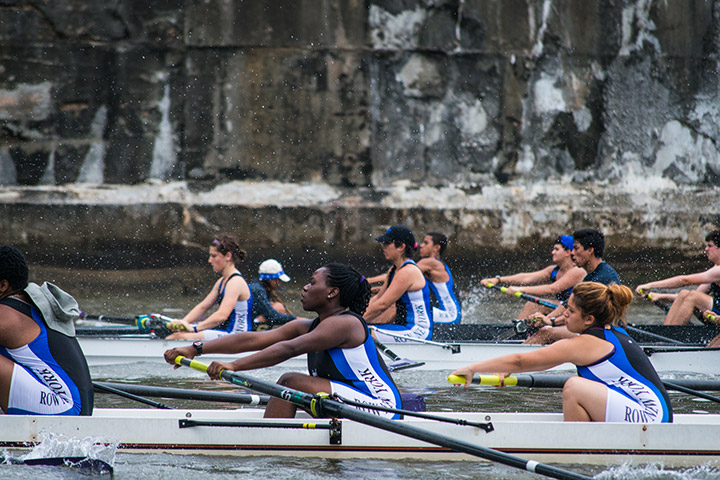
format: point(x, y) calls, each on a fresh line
point(117, 351)
point(542, 437)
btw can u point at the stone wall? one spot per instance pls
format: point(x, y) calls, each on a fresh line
point(379, 99)
point(468, 92)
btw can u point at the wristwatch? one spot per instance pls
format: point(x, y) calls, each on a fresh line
point(198, 347)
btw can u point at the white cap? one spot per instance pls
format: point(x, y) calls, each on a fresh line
point(270, 269)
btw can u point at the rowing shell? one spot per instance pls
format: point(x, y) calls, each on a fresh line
point(541, 436)
point(124, 350)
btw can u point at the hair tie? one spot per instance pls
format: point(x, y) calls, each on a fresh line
point(362, 278)
point(217, 242)
point(415, 246)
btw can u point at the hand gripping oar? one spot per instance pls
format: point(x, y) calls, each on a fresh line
point(454, 348)
point(323, 406)
point(666, 308)
point(397, 362)
point(525, 296)
point(558, 381)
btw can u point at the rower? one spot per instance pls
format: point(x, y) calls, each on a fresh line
point(707, 295)
point(342, 357)
point(554, 280)
point(616, 382)
point(268, 309)
point(230, 293)
point(42, 368)
point(445, 304)
point(588, 252)
point(402, 306)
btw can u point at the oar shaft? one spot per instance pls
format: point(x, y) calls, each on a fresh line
point(187, 394)
point(105, 388)
point(326, 406)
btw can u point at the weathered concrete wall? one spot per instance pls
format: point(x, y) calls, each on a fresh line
point(498, 121)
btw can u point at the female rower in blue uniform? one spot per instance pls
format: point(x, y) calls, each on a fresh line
point(42, 368)
point(342, 357)
point(556, 280)
point(616, 382)
point(402, 307)
point(230, 293)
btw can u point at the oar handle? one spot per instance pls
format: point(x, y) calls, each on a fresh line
point(492, 380)
point(711, 317)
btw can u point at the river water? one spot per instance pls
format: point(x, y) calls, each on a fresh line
point(174, 290)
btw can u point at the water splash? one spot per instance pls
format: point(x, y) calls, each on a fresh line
point(8, 174)
point(93, 167)
point(659, 472)
point(53, 445)
point(164, 156)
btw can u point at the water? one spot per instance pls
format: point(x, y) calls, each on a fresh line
point(175, 290)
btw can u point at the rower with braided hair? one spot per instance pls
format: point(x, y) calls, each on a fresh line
point(342, 357)
point(616, 381)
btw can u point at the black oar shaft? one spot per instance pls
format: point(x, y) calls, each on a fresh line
point(326, 406)
point(105, 388)
point(187, 394)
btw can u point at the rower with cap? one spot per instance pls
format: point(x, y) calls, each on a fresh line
point(402, 306)
point(268, 309)
point(555, 280)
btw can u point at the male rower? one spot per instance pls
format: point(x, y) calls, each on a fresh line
point(588, 252)
point(707, 295)
point(446, 306)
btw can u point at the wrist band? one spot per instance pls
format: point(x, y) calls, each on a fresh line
point(195, 328)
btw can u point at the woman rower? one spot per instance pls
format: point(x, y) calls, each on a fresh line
point(268, 309)
point(402, 306)
point(342, 357)
point(616, 382)
point(557, 279)
point(230, 292)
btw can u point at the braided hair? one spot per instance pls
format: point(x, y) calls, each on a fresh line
point(354, 289)
point(13, 267)
point(229, 244)
point(606, 303)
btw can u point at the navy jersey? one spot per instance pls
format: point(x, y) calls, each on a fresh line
point(628, 371)
point(604, 274)
point(240, 319)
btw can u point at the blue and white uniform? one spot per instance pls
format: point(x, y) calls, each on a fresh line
point(635, 392)
point(413, 315)
point(565, 294)
point(50, 376)
point(357, 373)
point(239, 320)
point(448, 306)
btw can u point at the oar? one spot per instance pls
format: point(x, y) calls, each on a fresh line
point(558, 381)
point(109, 318)
point(85, 464)
point(321, 406)
point(185, 394)
point(397, 362)
point(108, 389)
point(552, 305)
point(454, 348)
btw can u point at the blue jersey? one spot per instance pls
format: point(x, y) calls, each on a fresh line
point(448, 306)
point(715, 294)
point(628, 371)
point(604, 274)
point(565, 294)
point(360, 368)
point(240, 319)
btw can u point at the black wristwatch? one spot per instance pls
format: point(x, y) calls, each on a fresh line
point(198, 347)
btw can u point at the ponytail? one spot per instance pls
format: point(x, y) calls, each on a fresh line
point(354, 288)
point(607, 304)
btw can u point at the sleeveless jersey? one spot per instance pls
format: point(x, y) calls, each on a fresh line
point(565, 294)
point(55, 360)
point(413, 311)
point(628, 371)
point(448, 306)
point(240, 319)
point(604, 274)
point(360, 367)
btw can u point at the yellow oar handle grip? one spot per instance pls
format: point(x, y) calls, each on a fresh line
point(711, 317)
point(194, 364)
point(492, 380)
point(518, 294)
